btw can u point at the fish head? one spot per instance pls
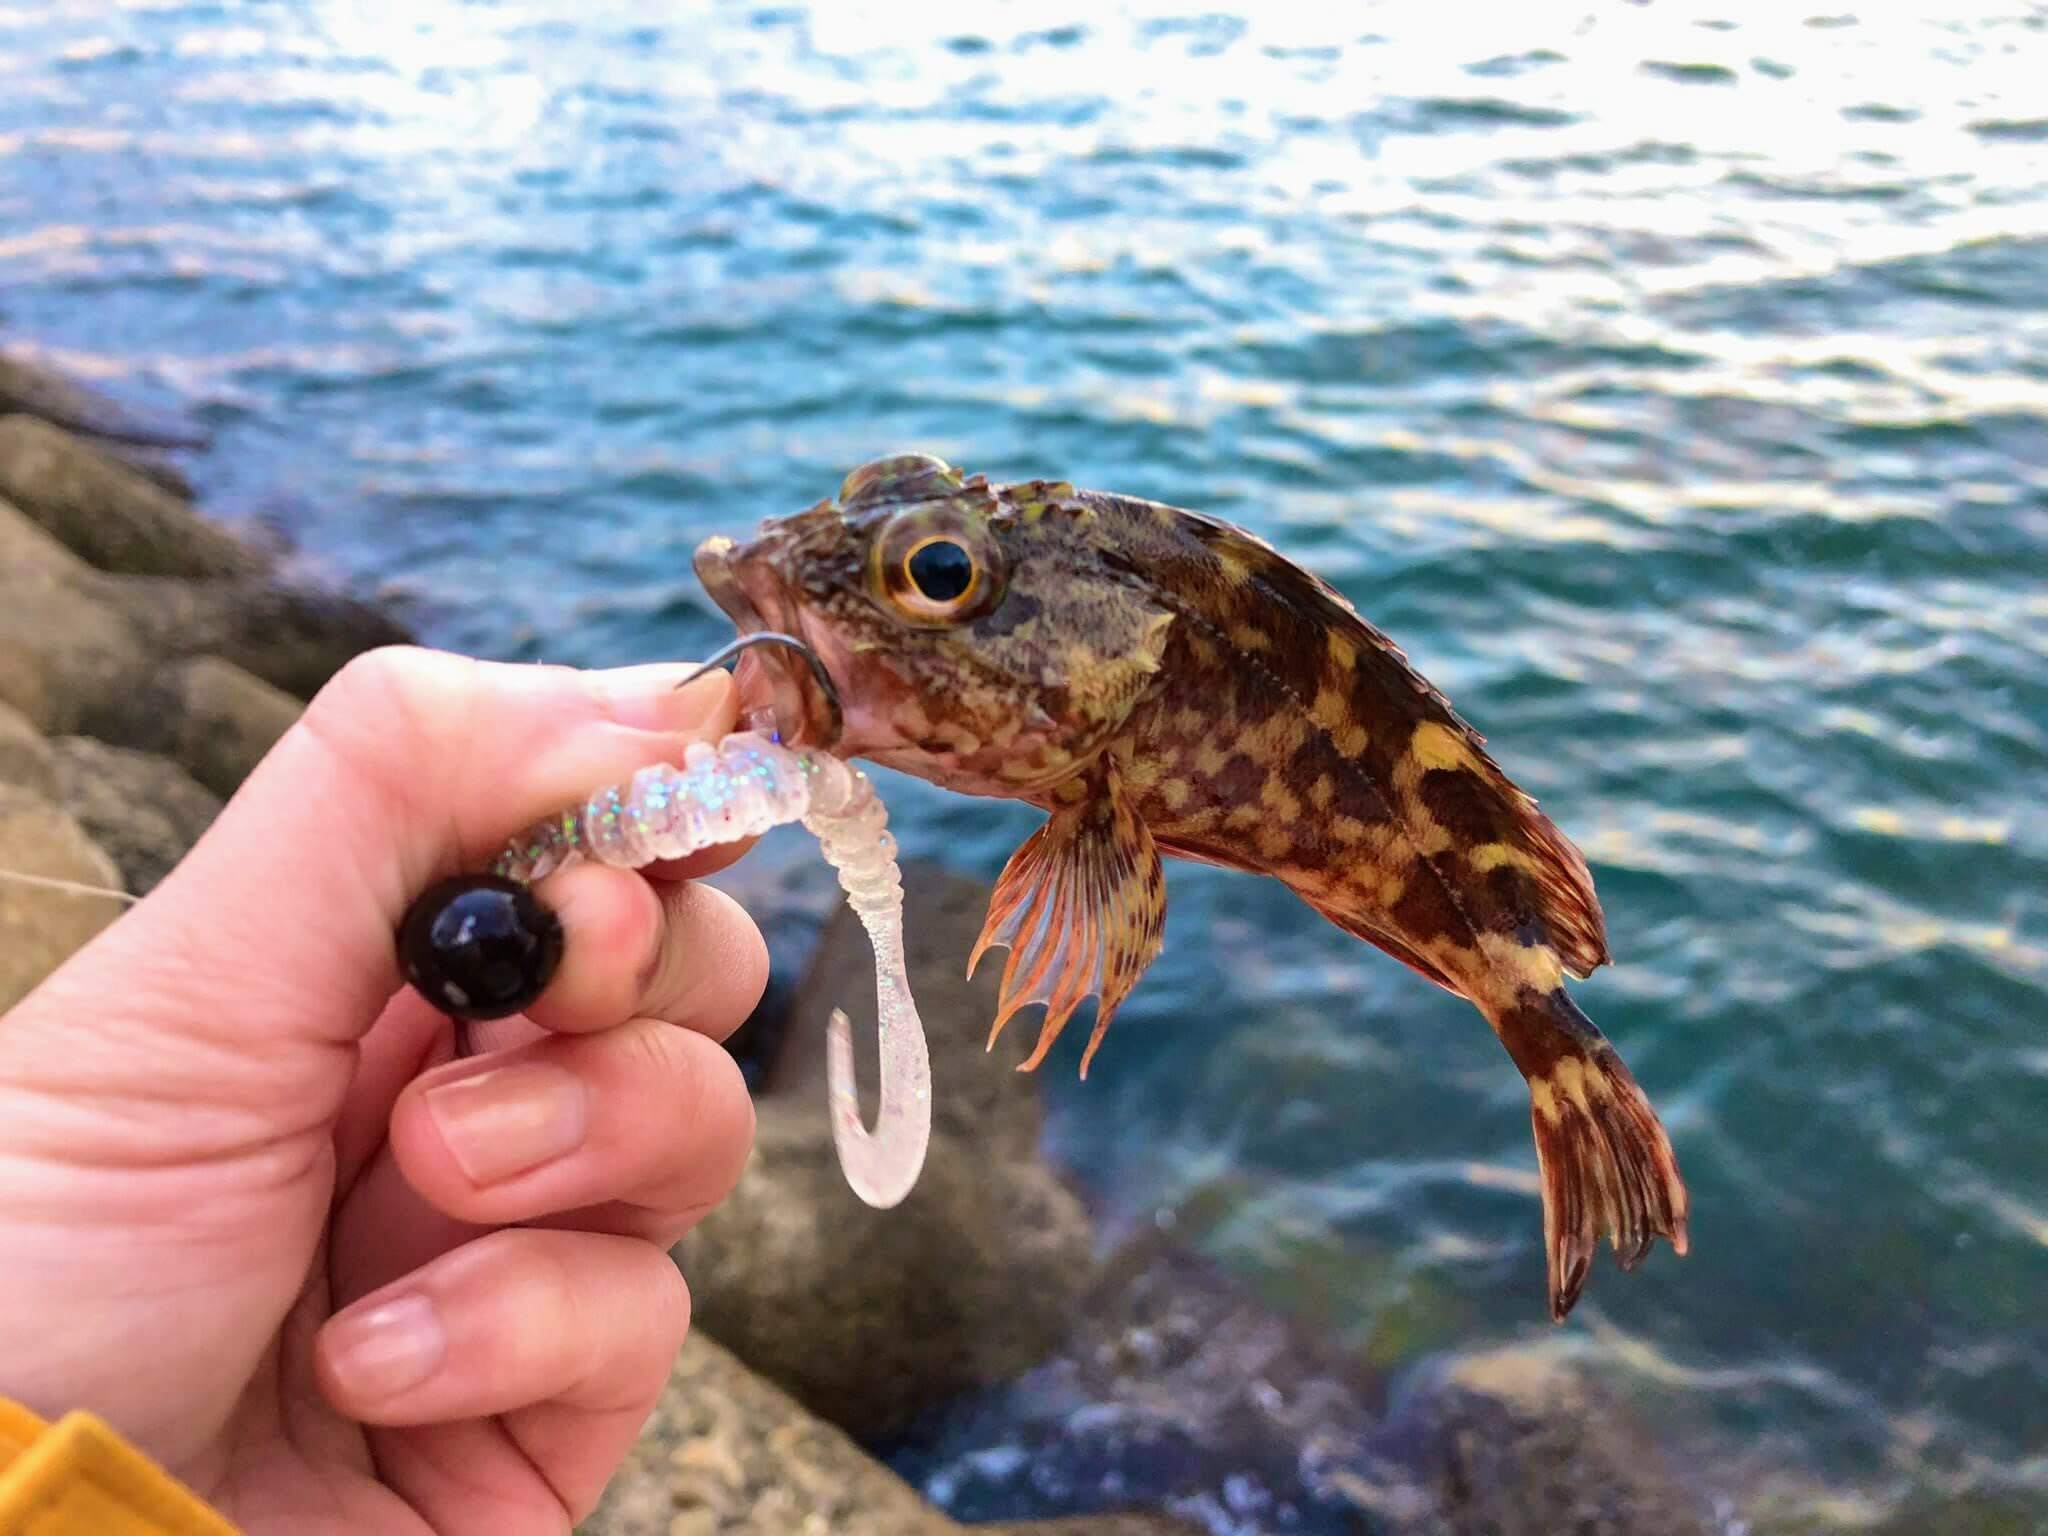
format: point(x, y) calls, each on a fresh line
point(978, 637)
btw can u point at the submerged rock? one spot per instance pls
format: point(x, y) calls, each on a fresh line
point(39, 928)
point(145, 811)
point(1512, 1443)
point(873, 1317)
point(108, 514)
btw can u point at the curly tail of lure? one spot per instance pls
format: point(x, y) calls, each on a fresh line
point(739, 788)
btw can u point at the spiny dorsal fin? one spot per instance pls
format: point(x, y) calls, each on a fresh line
point(1082, 907)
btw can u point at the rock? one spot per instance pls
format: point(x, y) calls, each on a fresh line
point(872, 1317)
point(727, 1454)
point(1512, 1443)
point(64, 655)
point(33, 390)
point(25, 760)
point(145, 811)
point(113, 517)
point(292, 637)
point(213, 718)
point(39, 928)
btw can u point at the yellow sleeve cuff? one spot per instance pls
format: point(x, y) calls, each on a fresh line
point(78, 1478)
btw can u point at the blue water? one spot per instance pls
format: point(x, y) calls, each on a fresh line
point(1672, 383)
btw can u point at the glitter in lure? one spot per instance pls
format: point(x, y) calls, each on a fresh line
point(740, 788)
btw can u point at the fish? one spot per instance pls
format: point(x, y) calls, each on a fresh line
point(1164, 684)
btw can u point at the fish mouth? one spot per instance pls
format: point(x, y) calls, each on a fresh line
point(802, 702)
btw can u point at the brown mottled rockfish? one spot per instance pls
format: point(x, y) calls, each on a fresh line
point(1164, 683)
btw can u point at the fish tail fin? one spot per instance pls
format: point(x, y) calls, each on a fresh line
point(1606, 1163)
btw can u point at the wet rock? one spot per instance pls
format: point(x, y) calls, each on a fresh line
point(1181, 1389)
point(1512, 1443)
point(728, 1454)
point(292, 637)
point(40, 928)
point(871, 1317)
point(213, 718)
point(64, 655)
point(144, 811)
point(108, 514)
point(25, 760)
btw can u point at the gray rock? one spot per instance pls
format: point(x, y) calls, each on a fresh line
point(31, 389)
point(293, 637)
point(25, 759)
point(213, 718)
point(39, 928)
point(65, 656)
point(108, 514)
point(872, 1317)
point(727, 1454)
point(145, 811)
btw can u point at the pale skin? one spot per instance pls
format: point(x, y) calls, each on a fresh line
point(253, 1212)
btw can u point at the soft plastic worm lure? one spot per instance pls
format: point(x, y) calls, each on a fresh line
point(739, 788)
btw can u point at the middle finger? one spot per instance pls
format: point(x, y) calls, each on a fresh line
point(646, 1115)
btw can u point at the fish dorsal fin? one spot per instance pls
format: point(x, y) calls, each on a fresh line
point(1082, 908)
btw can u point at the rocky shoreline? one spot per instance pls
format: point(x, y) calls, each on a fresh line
point(149, 657)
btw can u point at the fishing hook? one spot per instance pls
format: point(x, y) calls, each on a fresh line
point(803, 648)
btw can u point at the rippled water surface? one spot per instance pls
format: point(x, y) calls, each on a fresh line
point(1672, 382)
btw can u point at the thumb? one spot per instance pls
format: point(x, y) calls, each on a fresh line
point(245, 979)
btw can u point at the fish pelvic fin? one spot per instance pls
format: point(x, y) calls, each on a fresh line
point(1081, 907)
point(1606, 1163)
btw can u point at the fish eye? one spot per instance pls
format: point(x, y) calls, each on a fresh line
point(942, 570)
point(931, 573)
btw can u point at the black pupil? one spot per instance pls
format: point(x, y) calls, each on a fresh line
point(942, 570)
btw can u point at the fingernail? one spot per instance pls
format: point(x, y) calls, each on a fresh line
point(386, 1349)
point(648, 699)
point(509, 1119)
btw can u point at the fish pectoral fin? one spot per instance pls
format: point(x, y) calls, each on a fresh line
point(1082, 908)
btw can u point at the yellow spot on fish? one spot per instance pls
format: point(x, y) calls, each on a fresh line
point(1209, 759)
point(1322, 792)
point(1250, 637)
point(1438, 746)
point(1141, 773)
point(1329, 709)
point(1350, 740)
point(1492, 855)
point(1278, 798)
point(1528, 965)
point(1343, 654)
point(1543, 1099)
point(1274, 841)
point(1274, 737)
point(1237, 570)
point(1174, 793)
point(1348, 830)
point(1241, 816)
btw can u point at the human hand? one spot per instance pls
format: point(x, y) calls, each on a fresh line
point(253, 1214)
